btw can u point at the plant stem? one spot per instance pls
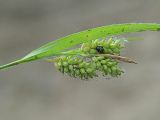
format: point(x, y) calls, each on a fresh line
point(118, 57)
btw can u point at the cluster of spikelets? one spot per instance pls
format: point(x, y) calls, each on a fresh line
point(110, 46)
point(89, 66)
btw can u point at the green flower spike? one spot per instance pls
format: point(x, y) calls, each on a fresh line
point(75, 67)
point(79, 66)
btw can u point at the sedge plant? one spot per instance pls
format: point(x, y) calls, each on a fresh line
point(99, 51)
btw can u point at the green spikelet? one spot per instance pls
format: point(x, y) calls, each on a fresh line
point(80, 67)
point(75, 67)
point(110, 46)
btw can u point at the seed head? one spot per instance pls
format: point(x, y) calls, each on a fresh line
point(79, 67)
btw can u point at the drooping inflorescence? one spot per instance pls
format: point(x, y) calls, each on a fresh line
point(75, 67)
point(93, 62)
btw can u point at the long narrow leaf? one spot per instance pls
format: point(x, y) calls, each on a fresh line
point(69, 41)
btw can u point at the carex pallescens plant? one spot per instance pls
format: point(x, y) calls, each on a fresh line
point(96, 53)
point(87, 66)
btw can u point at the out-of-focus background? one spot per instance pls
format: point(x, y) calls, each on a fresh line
point(37, 91)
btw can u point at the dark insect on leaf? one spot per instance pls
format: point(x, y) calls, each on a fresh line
point(100, 49)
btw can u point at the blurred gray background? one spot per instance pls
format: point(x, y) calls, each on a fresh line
point(37, 91)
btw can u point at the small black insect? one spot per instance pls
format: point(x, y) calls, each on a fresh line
point(100, 49)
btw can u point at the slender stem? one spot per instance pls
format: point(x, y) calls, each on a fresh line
point(118, 57)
